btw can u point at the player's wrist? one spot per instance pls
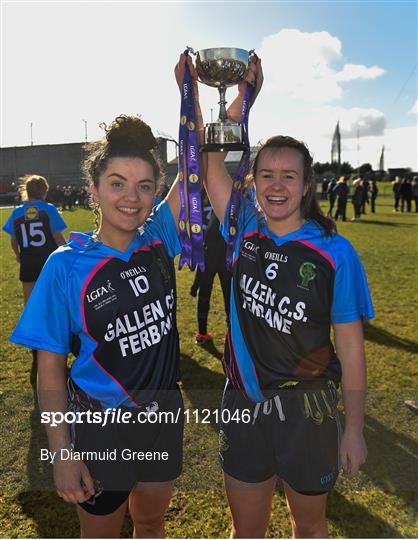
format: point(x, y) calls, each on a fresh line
point(354, 430)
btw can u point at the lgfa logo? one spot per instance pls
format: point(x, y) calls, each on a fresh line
point(251, 247)
point(100, 291)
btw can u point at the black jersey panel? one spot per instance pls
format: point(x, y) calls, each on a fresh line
point(283, 296)
point(33, 234)
point(129, 311)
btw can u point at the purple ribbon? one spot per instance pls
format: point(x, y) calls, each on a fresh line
point(192, 252)
point(238, 179)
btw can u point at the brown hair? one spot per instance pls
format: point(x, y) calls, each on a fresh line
point(33, 186)
point(310, 208)
point(126, 136)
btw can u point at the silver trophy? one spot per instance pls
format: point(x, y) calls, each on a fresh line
point(222, 68)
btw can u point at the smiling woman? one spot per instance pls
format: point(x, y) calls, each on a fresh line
point(279, 359)
point(293, 277)
point(112, 292)
point(286, 188)
point(124, 197)
point(122, 179)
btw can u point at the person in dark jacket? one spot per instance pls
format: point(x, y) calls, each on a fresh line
point(357, 198)
point(215, 257)
point(341, 191)
point(415, 191)
point(396, 188)
point(406, 194)
point(374, 190)
point(331, 195)
point(325, 183)
point(365, 199)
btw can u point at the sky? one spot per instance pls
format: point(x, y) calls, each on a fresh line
point(66, 66)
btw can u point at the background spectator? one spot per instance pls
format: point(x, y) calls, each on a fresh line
point(406, 194)
point(331, 195)
point(396, 188)
point(374, 190)
point(341, 190)
point(415, 191)
point(357, 198)
point(365, 199)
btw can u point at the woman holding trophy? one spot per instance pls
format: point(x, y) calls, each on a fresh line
point(294, 278)
point(113, 291)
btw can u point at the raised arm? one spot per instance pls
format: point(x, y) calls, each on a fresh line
point(218, 183)
point(173, 196)
point(218, 180)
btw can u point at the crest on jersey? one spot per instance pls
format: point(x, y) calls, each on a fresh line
point(307, 273)
point(31, 212)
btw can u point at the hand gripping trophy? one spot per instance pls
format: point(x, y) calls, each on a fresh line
point(220, 68)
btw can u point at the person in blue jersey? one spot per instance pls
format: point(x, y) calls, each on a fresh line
point(35, 228)
point(110, 297)
point(294, 279)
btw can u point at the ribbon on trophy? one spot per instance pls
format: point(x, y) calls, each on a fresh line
point(241, 173)
point(190, 222)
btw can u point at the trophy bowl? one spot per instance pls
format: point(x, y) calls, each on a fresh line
point(222, 68)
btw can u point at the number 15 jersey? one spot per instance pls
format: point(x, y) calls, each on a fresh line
point(33, 224)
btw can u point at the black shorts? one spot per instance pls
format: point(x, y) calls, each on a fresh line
point(295, 435)
point(31, 268)
point(118, 458)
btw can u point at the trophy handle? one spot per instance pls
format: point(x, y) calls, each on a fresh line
point(191, 50)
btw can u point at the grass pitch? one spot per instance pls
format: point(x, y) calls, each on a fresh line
point(381, 502)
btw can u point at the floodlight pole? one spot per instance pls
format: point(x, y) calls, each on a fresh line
point(85, 130)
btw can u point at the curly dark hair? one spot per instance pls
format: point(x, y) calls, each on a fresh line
point(126, 136)
point(310, 208)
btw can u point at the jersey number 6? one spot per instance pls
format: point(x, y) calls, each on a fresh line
point(271, 271)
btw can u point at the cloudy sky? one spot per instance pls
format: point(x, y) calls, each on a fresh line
point(64, 63)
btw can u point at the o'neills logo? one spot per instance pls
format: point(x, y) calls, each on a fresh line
point(279, 257)
point(132, 272)
point(100, 291)
point(251, 247)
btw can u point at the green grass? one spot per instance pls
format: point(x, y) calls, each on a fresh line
point(381, 502)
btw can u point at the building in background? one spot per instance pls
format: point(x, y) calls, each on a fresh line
point(61, 165)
